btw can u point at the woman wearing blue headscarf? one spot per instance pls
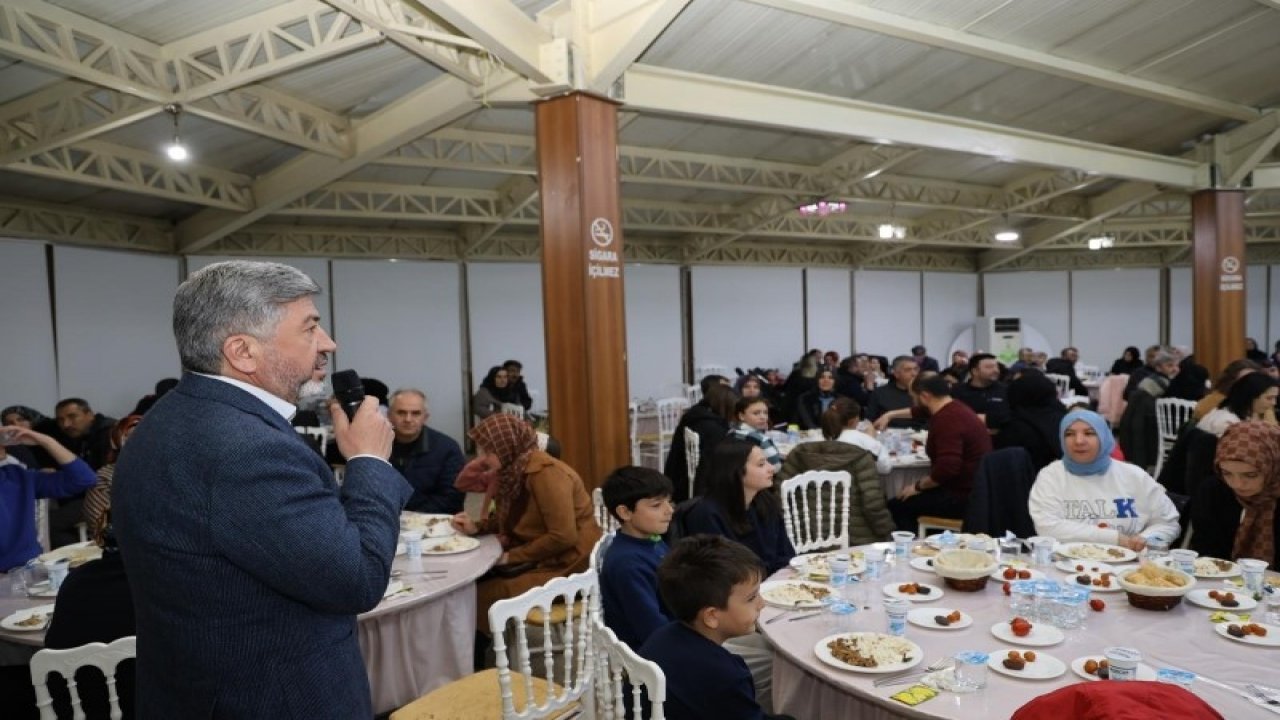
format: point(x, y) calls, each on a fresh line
point(1089, 497)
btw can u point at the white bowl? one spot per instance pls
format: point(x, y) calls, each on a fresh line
point(963, 564)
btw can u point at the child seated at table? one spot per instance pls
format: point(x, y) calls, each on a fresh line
point(640, 500)
point(712, 586)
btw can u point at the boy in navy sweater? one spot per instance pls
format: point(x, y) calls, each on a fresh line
point(640, 500)
point(712, 586)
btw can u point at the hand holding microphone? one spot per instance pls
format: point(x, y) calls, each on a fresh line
point(359, 428)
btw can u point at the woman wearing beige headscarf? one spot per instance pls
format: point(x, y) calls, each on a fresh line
point(1248, 461)
point(541, 513)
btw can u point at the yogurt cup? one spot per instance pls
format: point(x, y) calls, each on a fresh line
point(1122, 662)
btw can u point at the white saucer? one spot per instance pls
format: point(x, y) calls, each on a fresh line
point(1041, 635)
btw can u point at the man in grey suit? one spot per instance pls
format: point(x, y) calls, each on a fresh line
point(248, 564)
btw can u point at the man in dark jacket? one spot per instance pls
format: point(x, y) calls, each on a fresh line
point(88, 435)
point(709, 418)
point(1066, 365)
point(984, 393)
point(427, 458)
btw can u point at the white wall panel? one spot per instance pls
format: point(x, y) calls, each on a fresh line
point(504, 301)
point(30, 375)
point(316, 268)
point(1255, 312)
point(1041, 299)
point(830, 310)
point(747, 317)
point(1112, 309)
point(950, 305)
point(1181, 325)
point(654, 329)
point(886, 306)
point(114, 325)
point(402, 324)
point(1273, 336)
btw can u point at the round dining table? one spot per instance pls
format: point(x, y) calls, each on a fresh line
point(416, 640)
point(1184, 637)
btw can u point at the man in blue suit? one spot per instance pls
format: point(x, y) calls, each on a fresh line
point(248, 564)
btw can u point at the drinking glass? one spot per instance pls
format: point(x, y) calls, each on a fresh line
point(1253, 571)
point(1046, 593)
point(875, 564)
point(1041, 551)
point(971, 670)
point(1272, 599)
point(896, 610)
point(1010, 549)
point(1185, 560)
point(1069, 607)
point(838, 565)
point(902, 544)
point(838, 611)
point(1157, 547)
point(1022, 597)
point(412, 543)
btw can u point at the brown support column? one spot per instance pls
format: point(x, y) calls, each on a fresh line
point(577, 136)
point(1217, 219)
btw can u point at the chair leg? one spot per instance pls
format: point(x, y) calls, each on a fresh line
point(1186, 537)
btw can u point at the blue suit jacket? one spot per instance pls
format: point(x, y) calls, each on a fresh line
point(247, 563)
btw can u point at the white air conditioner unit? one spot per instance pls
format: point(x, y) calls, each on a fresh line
point(1000, 336)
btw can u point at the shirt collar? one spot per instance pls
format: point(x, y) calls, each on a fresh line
point(283, 407)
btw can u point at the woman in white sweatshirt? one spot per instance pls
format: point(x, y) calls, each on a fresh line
point(1089, 497)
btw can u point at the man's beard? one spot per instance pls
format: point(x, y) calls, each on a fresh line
point(281, 380)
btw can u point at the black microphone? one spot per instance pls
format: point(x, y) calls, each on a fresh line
point(349, 391)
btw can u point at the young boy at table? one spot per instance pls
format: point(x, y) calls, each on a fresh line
point(640, 500)
point(712, 586)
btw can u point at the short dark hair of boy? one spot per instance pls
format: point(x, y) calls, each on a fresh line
point(630, 484)
point(707, 382)
point(976, 359)
point(700, 572)
point(935, 385)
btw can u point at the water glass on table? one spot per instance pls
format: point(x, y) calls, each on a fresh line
point(896, 610)
point(412, 543)
point(839, 609)
point(1271, 598)
point(1041, 551)
point(1022, 597)
point(1185, 560)
point(1252, 572)
point(971, 670)
point(838, 566)
point(902, 544)
point(1157, 547)
point(1069, 607)
point(875, 564)
point(1010, 549)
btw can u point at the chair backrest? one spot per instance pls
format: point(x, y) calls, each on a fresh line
point(512, 409)
point(319, 435)
point(1001, 488)
point(693, 394)
point(578, 656)
point(66, 662)
point(692, 452)
point(617, 667)
point(1171, 414)
point(603, 517)
point(1088, 372)
point(815, 507)
point(1062, 382)
point(632, 411)
point(597, 564)
point(42, 524)
point(669, 412)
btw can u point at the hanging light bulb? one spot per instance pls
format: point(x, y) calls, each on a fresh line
point(1006, 232)
point(175, 150)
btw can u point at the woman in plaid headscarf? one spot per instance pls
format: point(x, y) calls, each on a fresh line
point(1248, 461)
point(541, 513)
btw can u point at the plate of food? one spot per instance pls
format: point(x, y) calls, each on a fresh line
point(29, 620)
point(962, 540)
point(939, 618)
point(1026, 664)
point(1097, 582)
point(1009, 573)
point(431, 524)
point(868, 652)
point(1097, 551)
point(78, 553)
point(1021, 631)
point(794, 593)
point(814, 565)
point(1250, 633)
point(1221, 600)
point(923, 564)
point(915, 592)
point(1208, 567)
point(449, 546)
point(1078, 566)
point(1094, 667)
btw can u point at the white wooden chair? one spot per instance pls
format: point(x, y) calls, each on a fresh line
point(597, 565)
point(693, 394)
point(632, 411)
point(692, 451)
point(65, 663)
point(603, 517)
point(319, 434)
point(512, 409)
point(618, 665)
point(1062, 382)
point(669, 412)
point(42, 524)
point(815, 507)
point(1171, 414)
point(559, 609)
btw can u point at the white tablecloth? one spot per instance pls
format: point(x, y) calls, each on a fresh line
point(412, 642)
point(806, 688)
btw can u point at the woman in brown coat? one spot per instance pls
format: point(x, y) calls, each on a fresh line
point(540, 512)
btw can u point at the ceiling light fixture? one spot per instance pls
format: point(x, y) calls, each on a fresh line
point(175, 150)
point(891, 231)
point(1006, 232)
point(822, 208)
point(1101, 242)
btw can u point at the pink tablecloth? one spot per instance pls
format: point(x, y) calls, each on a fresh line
point(806, 688)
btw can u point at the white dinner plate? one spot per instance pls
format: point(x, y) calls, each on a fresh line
point(794, 593)
point(1045, 667)
point(77, 553)
point(1113, 587)
point(914, 654)
point(1206, 567)
point(1200, 596)
point(962, 540)
point(449, 546)
point(1041, 635)
point(431, 524)
point(924, 617)
point(923, 564)
point(42, 590)
point(1144, 671)
point(1272, 638)
point(809, 562)
point(1069, 566)
point(998, 575)
point(934, 593)
point(1097, 552)
point(11, 622)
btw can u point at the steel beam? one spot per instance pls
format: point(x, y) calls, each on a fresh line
point(1238, 151)
point(65, 113)
point(77, 226)
point(1267, 177)
point(868, 18)
point(619, 32)
point(419, 35)
point(502, 28)
point(713, 98)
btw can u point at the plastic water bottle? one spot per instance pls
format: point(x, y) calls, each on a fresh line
point(793, 434)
